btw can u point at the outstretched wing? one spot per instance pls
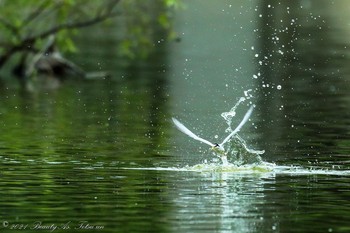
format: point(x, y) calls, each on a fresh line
point(245, 119)
point(183, 129)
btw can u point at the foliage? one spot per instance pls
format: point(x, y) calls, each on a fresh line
point(25, 25)
point(141, 29)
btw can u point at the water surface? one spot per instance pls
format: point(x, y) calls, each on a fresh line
point(104, 156)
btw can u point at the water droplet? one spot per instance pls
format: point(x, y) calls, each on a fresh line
point(279, 87)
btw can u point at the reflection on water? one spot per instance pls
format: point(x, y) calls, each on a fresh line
point(285, 199)
point(103, 153)
point(219, 198)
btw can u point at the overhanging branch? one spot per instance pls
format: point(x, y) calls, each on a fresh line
point(72, 26)
point(26, 43)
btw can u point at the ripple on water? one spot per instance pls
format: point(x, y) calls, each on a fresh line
point(263, 167)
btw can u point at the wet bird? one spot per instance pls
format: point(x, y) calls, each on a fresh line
point(218, 148)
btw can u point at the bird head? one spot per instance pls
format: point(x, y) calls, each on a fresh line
point(218, 149)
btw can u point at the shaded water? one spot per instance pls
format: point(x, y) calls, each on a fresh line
point(103, 155)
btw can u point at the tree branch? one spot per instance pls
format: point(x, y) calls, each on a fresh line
point(36, 13)
point(95, 20)
point(26, 43)
point(25, 46)
point(9, 26)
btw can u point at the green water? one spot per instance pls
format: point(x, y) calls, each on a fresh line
point(103, 155)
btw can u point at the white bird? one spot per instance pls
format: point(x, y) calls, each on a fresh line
point(214, 146)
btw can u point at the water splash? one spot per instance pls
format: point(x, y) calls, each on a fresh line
point(263, 168)
point(237, 149)
point(240, 154)
point(230, 114)
point(219, 149)
point(215, 167)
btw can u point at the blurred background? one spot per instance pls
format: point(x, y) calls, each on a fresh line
point(89, 87)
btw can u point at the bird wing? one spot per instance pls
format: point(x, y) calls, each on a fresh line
point(245, 119)
point(183, 129)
